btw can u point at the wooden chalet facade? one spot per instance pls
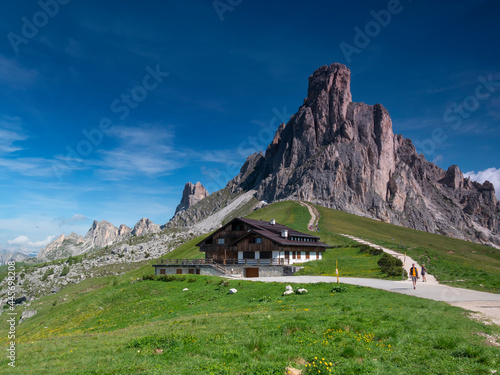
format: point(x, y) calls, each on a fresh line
point(255, 242)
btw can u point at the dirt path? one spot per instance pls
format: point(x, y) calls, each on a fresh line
point(313, 211)
point(407, 261)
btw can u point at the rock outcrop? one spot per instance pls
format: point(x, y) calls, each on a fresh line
point(123, 232)
point(344, 155)
point(191, 195)
point(101, 233)
point(145, 226)
point(64, 246)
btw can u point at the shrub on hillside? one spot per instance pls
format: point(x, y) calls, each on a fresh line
point(47, 273)
point(339, 288)
point(169, 278)
point(370, 250)
point(65, 270)
point(391, 266)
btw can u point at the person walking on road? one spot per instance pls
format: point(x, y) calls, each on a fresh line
point(424, 272)
point(414, 275)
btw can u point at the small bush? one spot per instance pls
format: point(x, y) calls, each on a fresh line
point(224, 283)
point(391, 266)
point(149, 277)
point(192, 280)
point(47, 273)
point(65, 270)
point(169, 278)
point(370, 250)
point(339, 288)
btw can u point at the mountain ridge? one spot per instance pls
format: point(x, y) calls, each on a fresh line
point(344, 155)
point(101, 234)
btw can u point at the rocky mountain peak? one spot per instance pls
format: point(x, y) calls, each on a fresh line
point(191, 195)
point(145, 226)
point(329, 94)
point(123, 230)
point(101, 233)
point(344, 155)
point(454, 177)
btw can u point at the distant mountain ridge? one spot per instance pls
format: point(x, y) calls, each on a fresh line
point(344, 155)
point(101, 234)
point(9, 256)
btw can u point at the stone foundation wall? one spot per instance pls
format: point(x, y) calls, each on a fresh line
point(233, 270)
point(204, 270)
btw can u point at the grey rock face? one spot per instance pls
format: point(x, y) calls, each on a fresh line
point(26, 315)
point(9, 256)
point(100, 234)
point(344, 155)
point(191, 195)
point(64, 246)
point(145, 226)
point(123, 232)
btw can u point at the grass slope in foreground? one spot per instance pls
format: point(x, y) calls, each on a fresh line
point(123, 326)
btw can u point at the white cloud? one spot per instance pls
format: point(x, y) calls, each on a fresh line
point(21, 240)
point(25, 242)
point(146, 150)
point(14, 74)
point(35, 167)
point(491, 174)
point(10, 132)
point(72, 220)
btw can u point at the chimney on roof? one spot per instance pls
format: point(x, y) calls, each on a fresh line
point(273, 221)
point(284, 233)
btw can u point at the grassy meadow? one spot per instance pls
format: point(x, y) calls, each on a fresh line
point(137, 324)
point(124, 326)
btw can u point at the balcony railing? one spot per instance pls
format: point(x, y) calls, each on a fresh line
point(226, 262)
point(184, 262)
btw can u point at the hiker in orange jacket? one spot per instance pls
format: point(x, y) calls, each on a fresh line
point(414, 275)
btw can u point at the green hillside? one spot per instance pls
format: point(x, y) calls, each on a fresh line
point(455, 262)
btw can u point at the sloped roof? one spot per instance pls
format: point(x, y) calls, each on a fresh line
point(273, 232)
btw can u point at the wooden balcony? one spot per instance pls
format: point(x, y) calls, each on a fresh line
point(225, 262)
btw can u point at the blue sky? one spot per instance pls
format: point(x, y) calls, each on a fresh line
point(108, 108)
